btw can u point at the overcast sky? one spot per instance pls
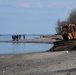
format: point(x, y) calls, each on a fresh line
point(33, 16)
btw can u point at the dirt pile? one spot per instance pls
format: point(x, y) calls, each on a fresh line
point(64, 45)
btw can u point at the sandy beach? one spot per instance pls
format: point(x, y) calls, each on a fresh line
point(44, 63)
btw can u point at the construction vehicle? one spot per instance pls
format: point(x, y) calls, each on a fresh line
point(68, 31)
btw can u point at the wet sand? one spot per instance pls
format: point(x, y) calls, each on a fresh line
point(44, 63)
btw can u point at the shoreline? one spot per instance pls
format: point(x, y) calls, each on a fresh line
point(44, 39)
point(39, 40)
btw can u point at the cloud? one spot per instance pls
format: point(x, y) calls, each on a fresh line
point(38, 4)
point(24, 5)
point(43, 4)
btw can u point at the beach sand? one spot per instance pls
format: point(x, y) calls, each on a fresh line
point(43, 63)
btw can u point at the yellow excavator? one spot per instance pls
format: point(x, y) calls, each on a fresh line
point(68, 31)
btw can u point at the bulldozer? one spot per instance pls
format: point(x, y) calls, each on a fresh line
point(68, 31)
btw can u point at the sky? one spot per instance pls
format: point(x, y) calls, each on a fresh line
point(33, 16)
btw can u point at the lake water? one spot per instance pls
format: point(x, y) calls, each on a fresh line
point(17, 48)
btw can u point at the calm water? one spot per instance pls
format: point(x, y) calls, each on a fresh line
point(17, 48)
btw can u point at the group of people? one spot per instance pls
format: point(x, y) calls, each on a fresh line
point(17, 37)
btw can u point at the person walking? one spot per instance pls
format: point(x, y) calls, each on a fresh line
point(19, 37)
point(23, 36)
